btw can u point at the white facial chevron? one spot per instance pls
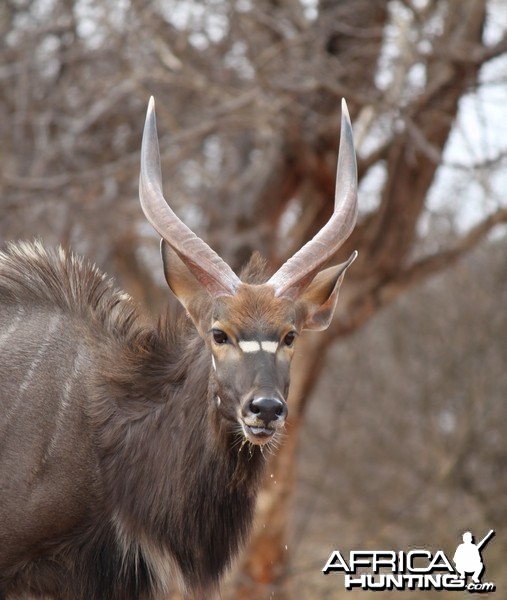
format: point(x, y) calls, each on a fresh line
point(269, 346)
point(255, 346)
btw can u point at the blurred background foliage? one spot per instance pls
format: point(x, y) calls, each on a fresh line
point(398, 424)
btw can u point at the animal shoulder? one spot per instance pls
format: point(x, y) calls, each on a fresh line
point(33, 277)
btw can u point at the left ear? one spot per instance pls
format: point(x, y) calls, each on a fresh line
point(191, 293)
point(321, 296)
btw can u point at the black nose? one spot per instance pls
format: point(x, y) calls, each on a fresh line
point(268, 409)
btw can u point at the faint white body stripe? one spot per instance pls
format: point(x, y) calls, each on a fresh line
point(12, 327)
point(53, 322)
point(63, 406)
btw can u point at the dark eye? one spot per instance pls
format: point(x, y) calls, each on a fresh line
point(288, 340)
point(220, 336)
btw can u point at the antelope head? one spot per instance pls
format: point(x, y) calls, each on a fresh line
point(251, 329)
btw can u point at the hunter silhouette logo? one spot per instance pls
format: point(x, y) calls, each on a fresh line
point(418, 569)
point(467, 557)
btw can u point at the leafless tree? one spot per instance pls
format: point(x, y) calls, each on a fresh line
point(410, 456)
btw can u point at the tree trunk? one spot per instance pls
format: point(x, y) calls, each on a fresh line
point(387, 244)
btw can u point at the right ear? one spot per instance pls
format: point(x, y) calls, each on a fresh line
point(321, 296)
point(192, 295)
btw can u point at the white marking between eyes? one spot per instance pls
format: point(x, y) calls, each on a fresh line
point(252, 346)
point(269, 346)
point(255, 346)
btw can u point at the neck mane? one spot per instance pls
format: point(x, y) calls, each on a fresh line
point(179, 477)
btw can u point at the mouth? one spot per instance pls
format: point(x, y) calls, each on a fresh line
point(257, 435)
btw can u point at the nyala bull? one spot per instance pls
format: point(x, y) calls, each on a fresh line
point(131, 455)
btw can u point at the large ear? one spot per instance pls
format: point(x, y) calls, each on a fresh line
point(190, 292)
point(321, 296)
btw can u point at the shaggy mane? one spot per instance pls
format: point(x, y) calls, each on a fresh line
point(32, 275)
point(255, 270)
